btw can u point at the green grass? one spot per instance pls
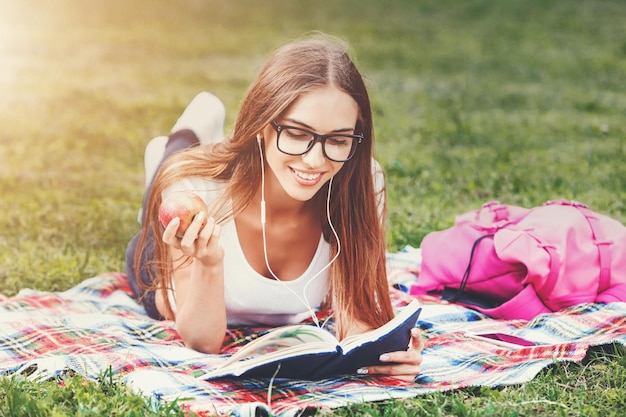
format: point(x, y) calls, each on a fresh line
point(594, 388)
point(520, 101)
point(72, 396)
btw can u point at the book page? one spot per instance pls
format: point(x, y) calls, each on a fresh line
point(283, 338)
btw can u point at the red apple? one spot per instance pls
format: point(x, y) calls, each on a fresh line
point(184, 205)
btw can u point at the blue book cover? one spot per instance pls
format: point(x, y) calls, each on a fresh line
point(308, 352)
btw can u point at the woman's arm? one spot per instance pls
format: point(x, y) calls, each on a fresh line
point(200, 312)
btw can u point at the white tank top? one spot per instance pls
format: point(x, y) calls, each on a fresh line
point(251, 298)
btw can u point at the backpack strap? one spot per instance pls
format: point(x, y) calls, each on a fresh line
point(599, 239)
point(466, 275)
point(500, 212)
point(555, 267)
point(604, 250)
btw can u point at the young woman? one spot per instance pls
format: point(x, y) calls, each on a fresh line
point(295, 217)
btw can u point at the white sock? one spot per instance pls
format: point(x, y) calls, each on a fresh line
point(151, 160)
point(205, 116)
point(153, 156)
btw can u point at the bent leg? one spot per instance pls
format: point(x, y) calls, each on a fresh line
point(200, 123)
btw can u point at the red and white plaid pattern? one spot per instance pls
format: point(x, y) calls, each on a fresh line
point(96, 326)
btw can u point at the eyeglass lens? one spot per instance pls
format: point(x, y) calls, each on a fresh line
point(296, 141)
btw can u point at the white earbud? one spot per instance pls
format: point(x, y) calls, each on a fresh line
point(258, 141)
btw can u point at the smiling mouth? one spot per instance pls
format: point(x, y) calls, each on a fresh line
point(306, 176)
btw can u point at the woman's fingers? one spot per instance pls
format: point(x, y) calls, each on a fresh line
point(169, 235)
point(188, 241)
point(417, 342)
point(201, 240)
point(212, 252)
point(206, 232)
point(404, 365)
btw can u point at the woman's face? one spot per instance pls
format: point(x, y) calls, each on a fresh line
point(323, 111)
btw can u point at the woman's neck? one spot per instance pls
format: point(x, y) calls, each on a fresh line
point(280, 207)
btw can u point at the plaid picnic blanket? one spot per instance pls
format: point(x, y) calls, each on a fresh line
point(96, 327)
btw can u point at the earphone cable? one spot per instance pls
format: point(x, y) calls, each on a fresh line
point(305, 301)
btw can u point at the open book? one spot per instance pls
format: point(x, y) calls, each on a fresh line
point(304, 351)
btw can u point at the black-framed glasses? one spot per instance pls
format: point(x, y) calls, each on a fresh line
point(293, 140)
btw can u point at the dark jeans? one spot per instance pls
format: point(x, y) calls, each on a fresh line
point(177, 142)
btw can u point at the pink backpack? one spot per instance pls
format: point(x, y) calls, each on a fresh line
point(514, 263)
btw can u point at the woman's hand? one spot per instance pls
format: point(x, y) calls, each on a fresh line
point(200, 241)
point(404, 365)
point(200, 312)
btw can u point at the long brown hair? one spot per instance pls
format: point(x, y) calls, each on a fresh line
point(359, 289)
